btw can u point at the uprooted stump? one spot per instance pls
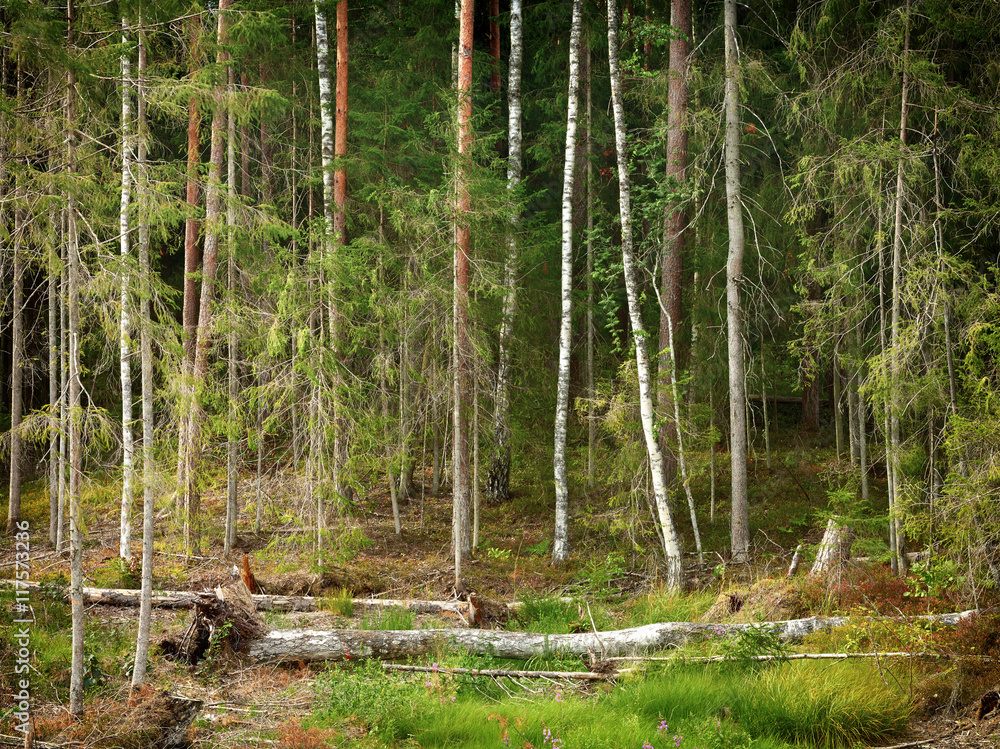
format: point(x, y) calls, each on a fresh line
point(225, 621)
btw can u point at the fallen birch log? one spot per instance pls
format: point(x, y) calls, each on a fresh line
point(174, 599)
point(497, 673)
point(345, 644)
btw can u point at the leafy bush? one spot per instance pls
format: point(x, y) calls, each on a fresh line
point(386, 704)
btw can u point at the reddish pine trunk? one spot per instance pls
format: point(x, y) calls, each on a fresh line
point(191, 254)
point(461, 525)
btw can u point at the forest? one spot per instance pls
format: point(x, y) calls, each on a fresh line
point(685, 291)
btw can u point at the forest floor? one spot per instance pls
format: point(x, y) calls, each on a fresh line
point(268, 705)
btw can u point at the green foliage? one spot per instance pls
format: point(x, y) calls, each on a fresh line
point(388, 618)
point(754, 643)
point(386, 704)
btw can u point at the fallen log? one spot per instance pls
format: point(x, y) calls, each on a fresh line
point(497, 673)
point(346, 644)
point(176, 599)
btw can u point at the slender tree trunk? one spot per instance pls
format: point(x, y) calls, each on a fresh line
point(146, 356)
point(17, 339)
point(189, 315)
point(498, 476)
point(740, 518)
point(838, 401)
point(125, 332)
point(897, 302)
point(17, 375)
point(560, 548)
point(75, 393)
point(232, 446)
point(674, 576)
point(340, 438)
point(461, 489)
point(64, 423)
point(209, 272)
point(54, 397)
point(591, 389)
point(674, 222)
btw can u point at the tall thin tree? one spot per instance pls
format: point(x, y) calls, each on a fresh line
point(674, 218)
point(674, 573)
point(498, 476)
point(740, 517)
point(560, 547)
point(461, 484)
point(125, 332)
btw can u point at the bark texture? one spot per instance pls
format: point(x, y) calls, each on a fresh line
point(674, 573)
point(338, 645)
point(740, 517)
point(560, 546)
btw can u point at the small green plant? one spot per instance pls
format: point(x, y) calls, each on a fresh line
point(497, 554)
point(755, 648)
point(929, 580)
point(386, 704)
point(600, 574)
point(388, 618)
point(340, 603)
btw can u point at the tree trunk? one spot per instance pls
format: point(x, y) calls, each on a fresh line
point(125, 332)
point(75, 393)
point(498, 476)
point(674, 576)
point(209, 271)
point(674, 221)
point(560, 547)
point(835, 548)
point(146, 356)
point(189, 315)
point(232, 446)
point(54, 395)
point(740, 518)
point(17, 375)
point(897, 302)
point(461, 489)
point(351, 644)
point(591, 389)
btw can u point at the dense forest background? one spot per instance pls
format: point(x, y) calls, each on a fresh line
point(173, 235)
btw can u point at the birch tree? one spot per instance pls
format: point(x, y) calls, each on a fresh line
point(498, 476)
point(740, 517)
point(125, 332)
point(560, 547)
point(146, 357)
point(674, 573)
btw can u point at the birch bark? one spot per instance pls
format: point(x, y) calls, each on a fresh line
point(674, 576)
point(560, 547)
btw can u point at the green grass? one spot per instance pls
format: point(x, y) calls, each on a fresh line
point(660, 605)
point(800, 704)
point(388, 618)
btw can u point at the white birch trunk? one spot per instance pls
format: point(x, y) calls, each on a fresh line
point(498, 478)
point(740, 517)
point(674, 576)
point(125, 352)
point(560, 546)
point(146, 357)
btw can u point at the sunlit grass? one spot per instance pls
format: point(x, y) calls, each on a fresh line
point(802, 704)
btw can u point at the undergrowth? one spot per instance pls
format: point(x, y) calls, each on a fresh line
point(686, 707)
